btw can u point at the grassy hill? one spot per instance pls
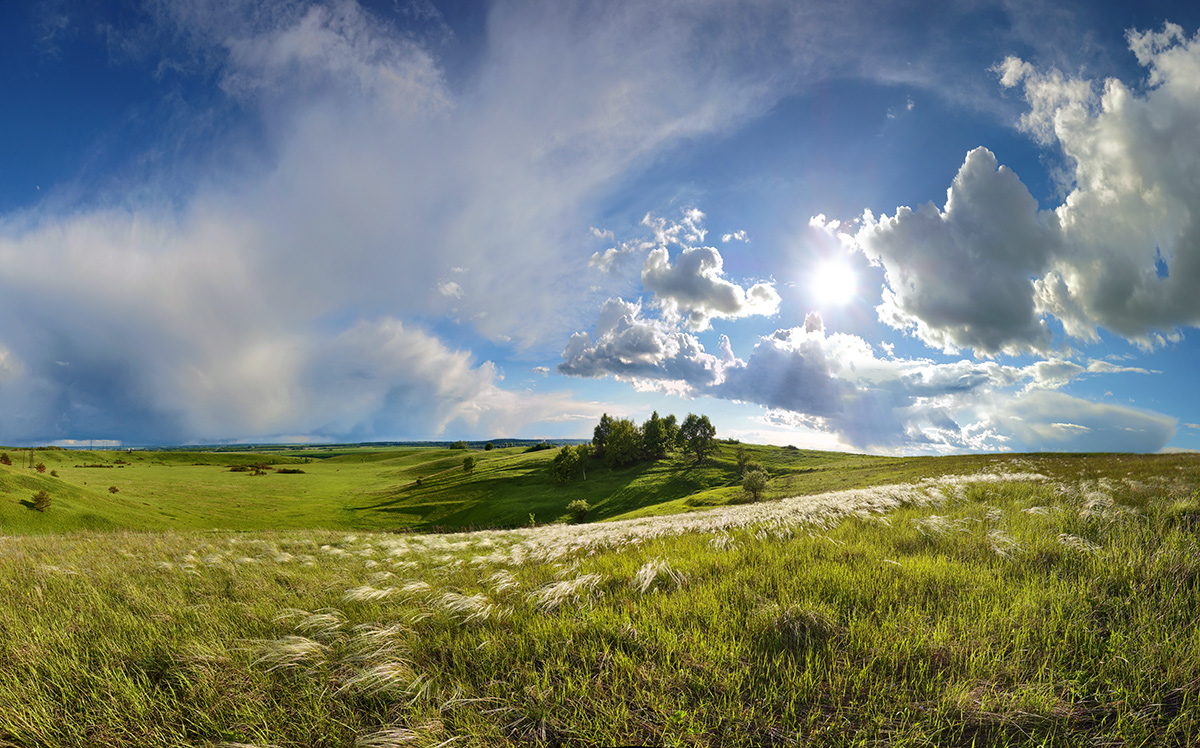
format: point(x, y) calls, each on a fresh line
point(377, 488)
point(1048, 600)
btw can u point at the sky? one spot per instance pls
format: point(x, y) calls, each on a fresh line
point(885, 227)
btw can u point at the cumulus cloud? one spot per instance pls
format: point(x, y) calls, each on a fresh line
point(636, 349)
point(1122, 251)
point(808, 378)
point(695, 289)
point(960, 276)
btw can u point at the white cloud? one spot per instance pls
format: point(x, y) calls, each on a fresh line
point(960, 276)
point(1054, 421)
point(695, 289)
point(450, 288)
point(739, 235)
point(636, 349)
point(812, 380)
point(1122, 251)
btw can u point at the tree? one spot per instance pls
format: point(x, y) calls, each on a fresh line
point(698, 436)
point(5, 459)
point(670, 431)
point(488, 447)
point(654, 438)
point(40, 467)
point(600, 434)
point(41, 501)
point(459, 445)
point(578, 509)
point(742, 459)
point(623, 445)
point(584, 453)
point(565, 464)
point(469, 464)
point(755, 483)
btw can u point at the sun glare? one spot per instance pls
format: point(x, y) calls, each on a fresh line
point(834, 284)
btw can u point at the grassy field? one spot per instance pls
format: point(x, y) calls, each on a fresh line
point(1042, 600)
point(377, 489)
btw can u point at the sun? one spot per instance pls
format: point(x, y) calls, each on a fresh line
point(834, 283)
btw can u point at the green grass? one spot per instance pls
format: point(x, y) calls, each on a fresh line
point(1025, 611)
point(376, 489)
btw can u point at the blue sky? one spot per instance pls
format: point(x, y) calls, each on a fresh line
point(880, 227)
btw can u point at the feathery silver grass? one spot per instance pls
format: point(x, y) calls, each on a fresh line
point(367, 593)
point(387, 677)
point(289, 652)
point(1001, 544)
point(390, 737)
point(1076, 543)
point(416, 588)
point(722, 542)
point(323, 624)
point(656, 570)
point(502, 581)
point(476, 607)
point(556, 594)
point(371, 643)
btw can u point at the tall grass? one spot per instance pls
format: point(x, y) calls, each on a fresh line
point(987, 610)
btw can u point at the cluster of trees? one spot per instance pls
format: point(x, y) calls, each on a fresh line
point(621, 442)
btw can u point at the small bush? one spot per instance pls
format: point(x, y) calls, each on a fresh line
point(5, 459)
point(40, 467)
point(239, 469)
point(755, 483)
point(113, 489)
point(290, 471)
point(578, 509)
point(41, 501)
point(469, 463)
point(53, 473)
point(419, 480)
point(488, 447)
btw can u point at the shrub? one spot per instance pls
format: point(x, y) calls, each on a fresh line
point(459, 445)
point(53, 473)
point(751, 466)
point(755, 483)
point(469, 463)
point(290, 471)
point(5, 459)
point(488, 447)
point(420, 480)
point(113, 489)
point(578, 509)
point(565, 465)
point(40, 467)
point(41, 501)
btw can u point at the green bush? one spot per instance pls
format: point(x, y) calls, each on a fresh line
point(5, 459)
point(578, 509)
point(755, 483)
point(41, 501)
point(469, 463)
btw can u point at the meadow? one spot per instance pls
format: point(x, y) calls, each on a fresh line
point(1016, 600)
